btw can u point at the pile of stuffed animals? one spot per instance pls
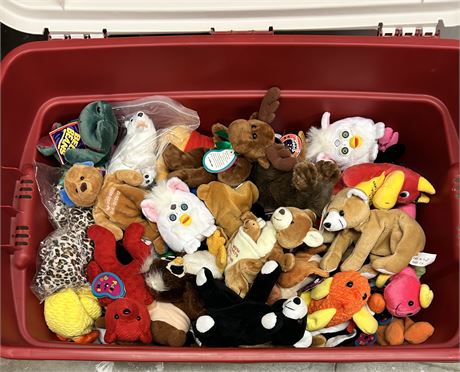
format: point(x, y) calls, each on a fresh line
point(242, 238)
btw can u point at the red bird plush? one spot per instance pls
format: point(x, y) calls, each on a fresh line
point(128, 321)
point(105, 259)
point(387, 184)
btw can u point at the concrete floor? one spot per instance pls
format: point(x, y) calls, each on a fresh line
point(82, 366)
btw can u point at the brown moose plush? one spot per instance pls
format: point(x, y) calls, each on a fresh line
point(390, 238)
point(115, 199)
point(249, 139)
point(176, 301)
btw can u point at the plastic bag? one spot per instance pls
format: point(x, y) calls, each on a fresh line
point(147, 122)
point(64, 253)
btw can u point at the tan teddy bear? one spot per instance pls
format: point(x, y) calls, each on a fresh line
point(115, 199)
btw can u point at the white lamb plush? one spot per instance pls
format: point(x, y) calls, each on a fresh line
point(182, 219)
point(137, 151)
point(346, 142)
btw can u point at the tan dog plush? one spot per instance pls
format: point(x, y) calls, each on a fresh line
point(228, 204)
point(390, 238)
point(258, 241)
point(115, 199)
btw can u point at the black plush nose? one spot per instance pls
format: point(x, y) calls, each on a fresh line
point(327, 224)
point(140, 114)
point(282, 211)
point(126, 311)
point(297, 301)
point(83, 187)
point(177, 270)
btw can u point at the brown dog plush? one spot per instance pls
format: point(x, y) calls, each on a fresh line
point(390, 238)
point(176, 301)
point(248, 138)
point(250, 248)
point(115, 199)
point(228, 204)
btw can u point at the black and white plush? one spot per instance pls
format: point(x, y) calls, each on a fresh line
point(64, 254)
point(234, 321)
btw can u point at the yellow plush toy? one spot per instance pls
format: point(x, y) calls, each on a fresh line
point(71, 314)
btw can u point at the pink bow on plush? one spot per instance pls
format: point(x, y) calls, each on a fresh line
point(390, 138)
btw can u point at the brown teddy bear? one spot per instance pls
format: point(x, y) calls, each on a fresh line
point(249, 139)
point(176, 301)
point(228, 204)
point(115, 199)
point(390, 238)
point(258, 241)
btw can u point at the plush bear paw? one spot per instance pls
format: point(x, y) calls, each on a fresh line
point(204, 323)
point(269, 320)
point(304, 176)
point(328, 171)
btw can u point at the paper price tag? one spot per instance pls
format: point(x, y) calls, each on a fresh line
point(423, 259)
point(218, 161)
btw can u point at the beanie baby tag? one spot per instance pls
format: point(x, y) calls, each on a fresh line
point(108, 284)
point(220, 159)
point(65, 138)
point(423, 259)
point(293, 143)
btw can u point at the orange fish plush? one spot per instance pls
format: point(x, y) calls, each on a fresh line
point(338, 299)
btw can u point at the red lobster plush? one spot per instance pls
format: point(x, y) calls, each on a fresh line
point(105, 259)
point(127, 320)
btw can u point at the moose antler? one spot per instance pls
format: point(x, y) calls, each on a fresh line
point(268, 106)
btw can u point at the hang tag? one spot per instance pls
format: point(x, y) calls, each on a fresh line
point(293, 143)
point(218, 161)
point(108, 284)
point(423, 259)
point(65, 138)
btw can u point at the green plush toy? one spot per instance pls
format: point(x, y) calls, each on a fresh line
point(90, 138)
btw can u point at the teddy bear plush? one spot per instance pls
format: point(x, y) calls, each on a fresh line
point(390, 238)
point(182, 219)
point(115, 199)
point(258, 241)
point(176, 301)
point(307, 185)
point(127, 320)
point(228, 204)
point(105, 260)
point(233, 321)
point(98, 130)
point(248, 138)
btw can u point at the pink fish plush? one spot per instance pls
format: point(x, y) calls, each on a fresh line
point(405, 296)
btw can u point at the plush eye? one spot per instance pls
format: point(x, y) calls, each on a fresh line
point(98, 109)
point(411, 303)
point(116, 316)
point(344, 150)
point(342, 213)
point(404, 194)
point(350, 284)
point(184, 206)
point(76, 190)
point(254, 135)
point(345, 134)
point(138, 318)
point(172, 217)
point(173, 207)
point(253, 126)
point(131, 120)
point(364, 296)
point(82, 178)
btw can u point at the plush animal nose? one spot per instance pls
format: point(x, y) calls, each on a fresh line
point(327, 224)
point(140, 114)
point(126, 311)
point(282, 211)
point(83, 187)
point(297, 301)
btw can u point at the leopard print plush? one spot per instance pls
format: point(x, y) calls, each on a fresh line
point(65, 253)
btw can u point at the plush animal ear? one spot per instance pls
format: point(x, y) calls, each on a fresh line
point(218, 128)
point(322, 289)
point(310, 214)
point(313, 238)
point(325, 120)
point(202, 191)
point(264, 163)
point(323, 156)
point(359, 193)
point(149, 210)
point(426, 296)
point(175, 184)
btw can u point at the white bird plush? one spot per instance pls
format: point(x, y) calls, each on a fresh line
point(182, 219)
point(346, 142)
point(137, 150)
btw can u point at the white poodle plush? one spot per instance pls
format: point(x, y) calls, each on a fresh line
point(182, 219)
point(137, 151)
point(346, 142)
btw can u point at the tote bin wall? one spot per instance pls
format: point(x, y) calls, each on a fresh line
point(411, 84)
